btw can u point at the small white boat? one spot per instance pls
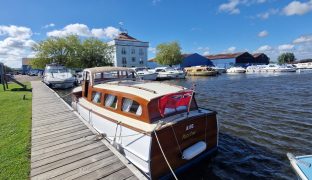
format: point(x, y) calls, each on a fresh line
point(236, 70)
point(279, 68)
point(169, 73)
point(145, 74)
point(255, 68)
point(57, 76)
point(307, 65)
point(219, 69)
point(302, 165)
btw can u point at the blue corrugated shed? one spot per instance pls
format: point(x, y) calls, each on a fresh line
point(195, 60)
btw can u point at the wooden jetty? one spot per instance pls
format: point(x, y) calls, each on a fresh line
point(63, 146)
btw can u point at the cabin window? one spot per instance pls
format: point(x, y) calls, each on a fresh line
point(96, 97)
point(110, 101)
point(131, 106)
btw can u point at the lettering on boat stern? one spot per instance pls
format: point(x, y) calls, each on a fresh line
point(188, 133)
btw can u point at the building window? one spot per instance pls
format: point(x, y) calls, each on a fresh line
point(131, 106)
point(123, 51)
point(110, 101)
point(141, 61)
point(133, 59)
point(141, 51)
point(132, 51)
point(96, 97)
point(124, 60)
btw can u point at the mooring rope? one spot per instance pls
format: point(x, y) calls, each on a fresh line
point(162, 151)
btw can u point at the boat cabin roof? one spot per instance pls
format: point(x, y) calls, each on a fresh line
point(144, 89)
point(106, 69)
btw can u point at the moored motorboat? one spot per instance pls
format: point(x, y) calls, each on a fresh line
point(302, 165)
point(236, 70)
point(156, 126)
point(145, 74)
point(168, 73)
point(200, 71)
point(219, 69)
point(255, 68)
point(306, 65)
point(278, 68)
point(57, 76)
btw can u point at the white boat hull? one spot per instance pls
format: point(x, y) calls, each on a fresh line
point(150, 77)
point(134, 145)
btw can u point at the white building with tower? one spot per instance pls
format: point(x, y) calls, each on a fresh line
point(128, 51)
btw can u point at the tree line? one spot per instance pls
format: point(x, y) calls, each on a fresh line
point(72, 52)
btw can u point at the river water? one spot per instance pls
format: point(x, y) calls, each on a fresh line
point(261, 116)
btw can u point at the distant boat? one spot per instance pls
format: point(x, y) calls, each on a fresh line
point(57, 76)
point(307, 65)
point(302, 165)
point(200, 71)
point(255, 68)
point(145, 74)
point(236, 70)
point(279, 68)
point(219, 69)
point(168, 73)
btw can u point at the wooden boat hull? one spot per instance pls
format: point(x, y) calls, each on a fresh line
point(207, 73)
point(142, 148)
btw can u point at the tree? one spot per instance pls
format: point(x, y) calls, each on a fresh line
point(95, 53)
point(58, 50)
point(72, 52)
point(168, 53)
point(286, 58)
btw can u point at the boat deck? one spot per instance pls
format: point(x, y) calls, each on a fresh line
point(64, 147)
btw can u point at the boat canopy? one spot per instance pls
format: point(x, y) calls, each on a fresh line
point(105, 73)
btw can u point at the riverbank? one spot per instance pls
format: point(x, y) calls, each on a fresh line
point(15, 124)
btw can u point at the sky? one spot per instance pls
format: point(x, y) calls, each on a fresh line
point(200, 26)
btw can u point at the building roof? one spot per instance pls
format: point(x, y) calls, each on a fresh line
point(145, 90)
point(224, 56)
point(255, 55)
point(126, 37)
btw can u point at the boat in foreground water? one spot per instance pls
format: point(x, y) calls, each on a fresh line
point(200, 71)
point(57, 76)
point(156, 126)
point(302, 165)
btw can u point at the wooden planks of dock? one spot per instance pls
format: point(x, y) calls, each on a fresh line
point(64, 147)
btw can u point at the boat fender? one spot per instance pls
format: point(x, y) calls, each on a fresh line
point(194, 150)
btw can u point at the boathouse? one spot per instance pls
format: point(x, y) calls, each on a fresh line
point(188, 60)
point(232, 59)
point(261, 58)
point(128, 51)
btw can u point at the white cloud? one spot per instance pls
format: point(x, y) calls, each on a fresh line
point(84, 31)
point(48, 25)
point(297, 8)
point(204, 50)
point(205, 53)
point(15, 31)
point(121, 23)
point(231, 49)
point(230, 7)
point(152, 50)
point(263, 33)
point(303, 39)
point(15, 43)
point(286, 47)
point(264, 48)
point(267, 14)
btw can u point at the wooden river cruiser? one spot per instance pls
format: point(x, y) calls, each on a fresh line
point(157, 126)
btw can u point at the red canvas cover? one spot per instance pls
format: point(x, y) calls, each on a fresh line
point(174, 100)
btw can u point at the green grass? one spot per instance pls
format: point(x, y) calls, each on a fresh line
point(15, 130)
